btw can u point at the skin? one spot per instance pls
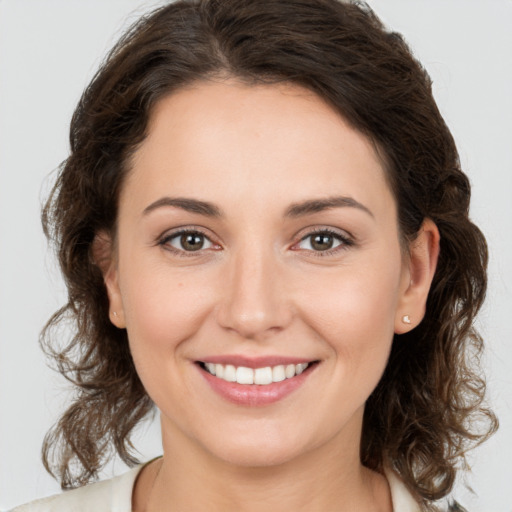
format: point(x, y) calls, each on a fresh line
point(258, 287)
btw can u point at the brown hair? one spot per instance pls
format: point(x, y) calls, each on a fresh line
point(420, 419)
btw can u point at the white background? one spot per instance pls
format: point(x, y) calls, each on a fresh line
point(48, 53)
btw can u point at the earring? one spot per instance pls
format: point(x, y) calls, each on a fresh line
point(115, 313)
point(405, 319)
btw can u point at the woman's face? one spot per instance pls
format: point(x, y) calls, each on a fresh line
point(256, 233)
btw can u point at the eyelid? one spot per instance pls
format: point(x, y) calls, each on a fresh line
point(167, 235)
point(346, 238)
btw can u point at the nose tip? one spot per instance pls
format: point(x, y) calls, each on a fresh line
point(254, 305)
point(252, 323)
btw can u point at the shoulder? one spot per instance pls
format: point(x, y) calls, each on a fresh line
point(110, 495)
point(402, 499)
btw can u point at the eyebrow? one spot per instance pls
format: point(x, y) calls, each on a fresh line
point(294, 210)
point(319, 205)
point(189, 205)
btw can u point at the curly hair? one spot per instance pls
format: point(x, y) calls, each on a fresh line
point(423, 415)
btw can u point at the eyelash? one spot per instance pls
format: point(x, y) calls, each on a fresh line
point(346, 241)
point(165, 240)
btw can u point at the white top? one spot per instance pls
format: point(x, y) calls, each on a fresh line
point(115, 495)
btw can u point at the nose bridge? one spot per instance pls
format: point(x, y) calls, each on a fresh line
point(254, 303)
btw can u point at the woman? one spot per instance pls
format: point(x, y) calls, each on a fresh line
point(263, 228)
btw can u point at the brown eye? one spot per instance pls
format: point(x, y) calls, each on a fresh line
point(192, 241)
point(322, 242)
point(188, 241)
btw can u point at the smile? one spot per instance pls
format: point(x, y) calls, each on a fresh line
point(260, 376)
point(253, 383)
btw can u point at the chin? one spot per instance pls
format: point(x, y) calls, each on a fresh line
point(257, 456)
point(262, 447)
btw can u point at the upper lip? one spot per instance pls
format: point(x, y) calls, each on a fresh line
point(255, 362)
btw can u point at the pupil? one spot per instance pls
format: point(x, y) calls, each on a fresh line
point(192, 241)
point(322, 242)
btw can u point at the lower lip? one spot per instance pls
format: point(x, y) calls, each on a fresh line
point(255, 395)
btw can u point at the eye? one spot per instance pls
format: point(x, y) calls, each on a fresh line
point(323, 241)
point(188, 241)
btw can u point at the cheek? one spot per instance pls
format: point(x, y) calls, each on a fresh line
point(354, 300)
point(353, 310)
point(162, 309)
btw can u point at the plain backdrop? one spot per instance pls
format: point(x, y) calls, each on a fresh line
point(49, 51)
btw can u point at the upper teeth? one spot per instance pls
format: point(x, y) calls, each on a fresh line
point(262, 376)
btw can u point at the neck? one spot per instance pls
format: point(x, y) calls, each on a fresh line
point(329, 477)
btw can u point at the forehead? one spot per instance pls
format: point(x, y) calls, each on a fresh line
point(234, 140)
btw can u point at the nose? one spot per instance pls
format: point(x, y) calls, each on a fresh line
point(254, 303)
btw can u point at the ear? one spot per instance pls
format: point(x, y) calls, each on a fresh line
point(417, 278)
point(103, 253)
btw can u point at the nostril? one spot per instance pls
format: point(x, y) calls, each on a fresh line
point(253, 322)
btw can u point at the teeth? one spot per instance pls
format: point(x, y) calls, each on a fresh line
point(230, 373)
point(278, 374)
point(260, 376)
point(244, 375)
point(263, 375)
point(299, 368)
point(289, 371)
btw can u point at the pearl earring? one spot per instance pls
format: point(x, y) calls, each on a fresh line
point(115, 313)
point(406, 319)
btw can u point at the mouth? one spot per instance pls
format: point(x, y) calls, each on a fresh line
point(259, 376)
point(255, 383)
